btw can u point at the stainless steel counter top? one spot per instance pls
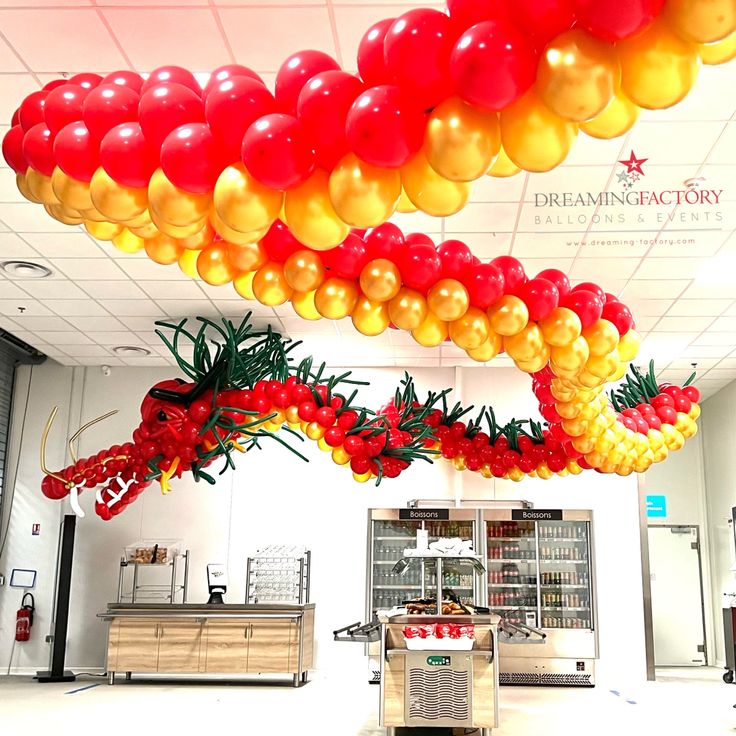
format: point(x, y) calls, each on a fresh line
point(230, 608)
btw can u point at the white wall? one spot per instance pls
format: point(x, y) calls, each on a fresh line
point(275, 497)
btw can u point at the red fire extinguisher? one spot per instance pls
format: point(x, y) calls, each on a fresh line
point(24, 618)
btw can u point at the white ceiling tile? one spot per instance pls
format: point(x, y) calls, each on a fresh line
point(95, 324)
point(417, 362)
point(653, 140)
point(533, 244)
point(187, 308)
point(52, 288)
point(161, 290)
point(725, 324)
point(547, 188)
point(26, 217)
point(16, 307)
point(69, 244)
point(724, 152)
point(649, 307)
point(644, 323)
point(700, 366)
point(585, 269)
point(706, 351)
point(9, 290)
point(668, 268)
point(704, 290)
point(484, 245)
point(727, 363)
point(674, 243)
point(121, 337)
point(720, 374)
point(716, 338)
point(46, 323)
point(143, 269)
point(478, 217)
point(139, 323)
point(132, 308)
point(86, 351)
point(75, 307)
point(683, 324)
point(9, 192)
point(60, 339)
point(116, 289)
point(698, 307)
point(15, 88)
point(88, 269)
point(419, 222)
point(493, 189)
point(12, 246)
point(650, 289)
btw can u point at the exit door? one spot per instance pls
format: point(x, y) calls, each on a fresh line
point(677, 596)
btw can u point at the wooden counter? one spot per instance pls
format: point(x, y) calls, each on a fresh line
point(210, 639)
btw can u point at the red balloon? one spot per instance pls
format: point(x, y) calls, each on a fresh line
point(127, 156)
point(15, 119)
point(371, 61)
point(417, 51)
point(348, 259)
point(165, 107)
point(384, 128)
point(467, 13)
point(54, 83)
point(620, 315)
point(590, 286)
point(493, 64)
point(322, 109)
point(540, 296)
point(13, 149)
point(558, 278)
point(420, 266)
point(172, 75)
point(124, 78)
point(613, 20)
point(64, 105)
point(228, 71)
point(485, 285)
point(109, 105)
point(30, 112)
point(385, 241)
point(191, 158)
point(279, 242)
point(232, 107)
point(411, 238)
point(513, 273)
point(76, 152)
point(295, 72)
point(88, 80)
point(456, 259)
point(277, 151)
point(542, 19)
point(610, 298)
point(38, 149)
point(586, 304)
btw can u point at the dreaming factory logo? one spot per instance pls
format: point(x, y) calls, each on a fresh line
point(632, 171)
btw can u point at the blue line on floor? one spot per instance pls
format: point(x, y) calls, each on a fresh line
point(79, 689)
point(618, 695)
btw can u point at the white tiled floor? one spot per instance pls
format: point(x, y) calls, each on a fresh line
point(682, 702)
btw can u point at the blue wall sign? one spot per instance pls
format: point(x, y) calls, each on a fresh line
point(656, 507)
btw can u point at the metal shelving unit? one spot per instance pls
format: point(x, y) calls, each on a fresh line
point(278, 574)
point(147, 592)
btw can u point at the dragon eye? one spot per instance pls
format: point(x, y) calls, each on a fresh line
point(161, 416)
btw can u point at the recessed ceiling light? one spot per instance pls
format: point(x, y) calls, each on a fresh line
point(130, 351)
point(25, 270)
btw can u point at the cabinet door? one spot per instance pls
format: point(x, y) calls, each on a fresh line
point(179, 645)
point(268, 646)
point(226, 646)
point(137, 646)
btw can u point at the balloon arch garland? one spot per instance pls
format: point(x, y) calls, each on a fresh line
point(287, 195)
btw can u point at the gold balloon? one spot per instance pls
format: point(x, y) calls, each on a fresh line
point(405, 205)
point(310, 215)
point(304, 270)
point(488, 350)
point(188, 263)
point(303, 304)
point(103, 230)
point(628, 345)
point(720, 52)
point(21, 182)
point(163, 249)
point(40, 187)
point(471, 330)
point(243, 203)
point(174, 205)
point(561, 327)
point(199, 240)
point(243, 284)
point(214, 266)
point(115, 202)
point(247, 257)
point(340, 456)
point(524, 345)
point(71, 192)
point(461, 141)
point(508, 316)
point(602, 337)
point(570, 357)
point(370, 317)
point(603, 366)
point(363, 195)
point(533, 137)
point(430, 192)
point(658, 68)
point(408, 309)
point(127, 242)
point(503, 166)
point(432, 332)
point(448, 299)
point(702, 21)
point(535, 363)
point(336, 298)
point(58, 212)
point(270, 286)
point(615, 120)
point(234, 236)
point(577, 75)
point(380, 280)
point(145, 232)
point(176, 231)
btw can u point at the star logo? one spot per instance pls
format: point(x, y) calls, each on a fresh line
point(633, 164)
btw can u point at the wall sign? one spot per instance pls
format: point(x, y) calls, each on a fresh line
point(419, 514)
point(22, 578)
point(656, 507)
point(536, 514)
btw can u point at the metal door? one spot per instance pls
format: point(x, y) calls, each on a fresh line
point(677, 596)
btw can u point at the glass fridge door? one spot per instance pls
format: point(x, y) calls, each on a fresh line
point(390, 538)
point(564, 564)
point(458, 575)
point(512, 570)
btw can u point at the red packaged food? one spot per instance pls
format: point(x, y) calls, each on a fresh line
point(466, 631)
point(443, 631)
point(412, 632)
point(426, 630)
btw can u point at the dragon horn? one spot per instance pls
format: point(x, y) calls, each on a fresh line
point(84, 427)
point(44, 437)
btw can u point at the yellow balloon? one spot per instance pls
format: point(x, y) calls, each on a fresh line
point(363, 195)
point(432, 332)
point(177, 231)
point(188, 263)
point(448, 299)
point(243, 284)
point(242, 202)
point(213, 264)
point(270, 286)
point(719, 52)
point(544, 472)
point(362, 477)
point(127, 242)
point(340, 456)
point(471, 330)
point(304, 270)
point(231, 235)
point(603, 366)
point(336, 298)
point(199, 240)
point(702, 21)
point(71, 192)
point(115, 202)
point(615, 120)
point(405, 205)
point(430, 192)
point(408, 309)
point(503, 166)
point(628, 345)
point(380, 280)
point(534, 138)
point(311, 216)
point(561, 327)
point(163, 249)
point(103, 230)
point(145, 232)
point(303, 304)
point(247, 257)
point(536, 363)
point(315, 431)
point(524, 345)
point(619, 373)
point(174, 205)
point(602, 337)
point(461, 141)
point(21, 182)
point(40, 187)
point(370, 317)
point(58, 212)
point(459, 462)
point(658, 68)
point(508, 316)
point(488, 350)
point(577, 75)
